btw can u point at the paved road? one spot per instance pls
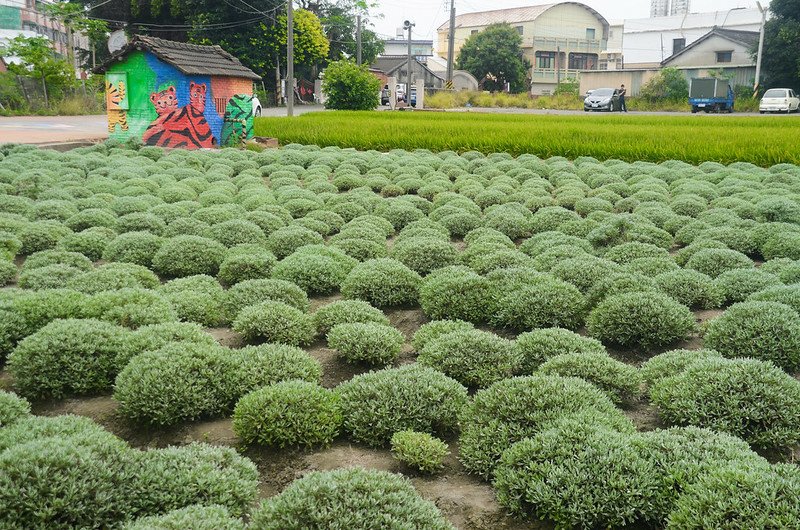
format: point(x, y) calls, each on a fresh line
point(51, 129)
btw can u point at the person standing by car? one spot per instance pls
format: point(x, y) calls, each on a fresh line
point(622, 92)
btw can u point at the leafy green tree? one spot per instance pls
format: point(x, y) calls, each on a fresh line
point(39, 61)
point(76, 19)
point(348, 86)
point(310, 43)
point(495, 56)
point(781, 60)
point(668, 85)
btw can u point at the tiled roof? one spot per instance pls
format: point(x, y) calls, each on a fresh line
point(190, 59)
point(745, 38)
point(511, 16)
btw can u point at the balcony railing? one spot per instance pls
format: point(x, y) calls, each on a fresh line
point(577, 45)
point(550, 75)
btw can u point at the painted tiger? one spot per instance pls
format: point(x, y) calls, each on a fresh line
point(181, 127)
point(238, 125)
point(115, 94)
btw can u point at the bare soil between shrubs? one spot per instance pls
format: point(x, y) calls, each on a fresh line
point(466, 500)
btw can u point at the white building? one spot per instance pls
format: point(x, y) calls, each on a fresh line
point(665, 8)
point(646, 42)
point(399, 46)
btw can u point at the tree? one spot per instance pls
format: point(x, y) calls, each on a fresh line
point(310, 43)
point(340, 28)
point(495, 56)
point(780, 61)
point(38, 60)
point(668, 85)
point(76, 19)
point(348, 86)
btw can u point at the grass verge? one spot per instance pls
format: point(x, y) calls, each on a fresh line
point(763, 141)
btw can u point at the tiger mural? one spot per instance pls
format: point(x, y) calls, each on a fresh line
point(115, 94)
point(238, 127)
point(180, 127)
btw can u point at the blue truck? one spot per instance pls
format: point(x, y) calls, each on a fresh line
point(710, 94)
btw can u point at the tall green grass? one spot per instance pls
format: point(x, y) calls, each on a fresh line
point(763, 141)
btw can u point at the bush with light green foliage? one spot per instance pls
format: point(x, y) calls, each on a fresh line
point(238, 267)
point(769, 331)
point(55, 276)
point(621, 382)
point(382, 282)
point(196, 517)
point(700, 395)
point(8, 272)
point(424, 254)
point(275, 322)
point(472, 357)
point(455, 293)
point(113, 276)
point(640, 320)
point(197, 299)
point(188, 255)
point(288, 414)
point(366, 342)
point(540, 345)
point(131, 308)
point(518, 408)
point(435, 329)
point(285, 240)
point(316, 268)
point(413, 397)
point(419, 450)
point(133, 247)
point(691, 288)
point(252, 292)
point(715, 261)
point(672, 363)
point(348, 498)
point(740, 495)
point(544, 301)
point(784, 294)
point(12, 408)
point(738, 284)
point(68, 357)
point(346, 311)
point(350, 87)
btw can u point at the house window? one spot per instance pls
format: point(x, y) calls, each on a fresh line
point(546, 60)
point(589, 33)
point(724, 57)
point(678, 45)
point(473, 32)
point(582, 61)
point(520, 29)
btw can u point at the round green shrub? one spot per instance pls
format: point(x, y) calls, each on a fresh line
point(413, 397)
point(370, 343)
point(538, 346)
point(618, 283)
point(472, 357)
point(543, 302)
point(236, 232)
point(196, 299)
point(288, 414)
point(175, 477)
point(48, 277)
point(627, 252)
point(92, 217)
point(46, 258)
point(141, 222)
point(252, 292)
point(768, 331)
point(67, 357)
point(764, 410)
point(784, 294)
point(419, 450)
point(267, 364)
point(348, 498)
point(179, 382)
point(715, 261)
point(579, 476)
point(12, 408)
point(314, 273)
point(518, 408)
point(640, 319)
point(684, 455)
point(188, 255)
point(382, 282)
point(691, 288)
point(740, 495)
point(621, 382)
point(683, 255)
point(79, 429)
point(346, 311)
point(584, 272)
point(8, 272)
point(131, 307)
point(275, 322)
point(285, 240)
point(133, 247)
point(30, 311)
point(738, 284)
point(424, 254)
point(672, 363)
point(186, 226)
point(42, 235)
point(250, 266)
point(784, 245)
point(650, 267)
point(433, 330)
point(113, 276)
point(787, 270)
point(455, 293)
point(196, 517)
point(156, 336)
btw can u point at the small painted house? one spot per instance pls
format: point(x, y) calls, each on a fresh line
point(175, 94)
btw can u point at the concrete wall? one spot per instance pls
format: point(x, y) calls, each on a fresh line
point(635, 79)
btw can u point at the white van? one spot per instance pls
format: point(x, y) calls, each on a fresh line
point(779, 100)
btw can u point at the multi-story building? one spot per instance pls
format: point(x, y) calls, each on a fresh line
point(558, 39)
point(22, 17)
point(399, 46)
point(666, 8)
point(679, 7)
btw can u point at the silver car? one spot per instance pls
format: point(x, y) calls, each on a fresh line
point(602, 99)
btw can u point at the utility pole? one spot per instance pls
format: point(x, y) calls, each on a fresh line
point(558, 68)
point(358, 40)
point(290, 59)
point(760, 49)
point(451, 39)
point(408, 25)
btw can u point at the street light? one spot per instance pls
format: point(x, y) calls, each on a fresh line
point(408, 25)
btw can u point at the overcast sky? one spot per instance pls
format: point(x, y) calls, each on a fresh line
point(428, 15)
